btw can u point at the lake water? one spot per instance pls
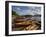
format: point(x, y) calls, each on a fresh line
point(38, 18)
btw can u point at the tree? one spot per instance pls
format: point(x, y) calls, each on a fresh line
point(14, 13)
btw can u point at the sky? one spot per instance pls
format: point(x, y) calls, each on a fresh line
point(27, 10)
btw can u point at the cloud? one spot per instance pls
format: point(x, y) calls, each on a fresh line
point(34, 10)
point(18, 8)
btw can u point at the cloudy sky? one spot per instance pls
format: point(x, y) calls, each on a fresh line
point(27, 10)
